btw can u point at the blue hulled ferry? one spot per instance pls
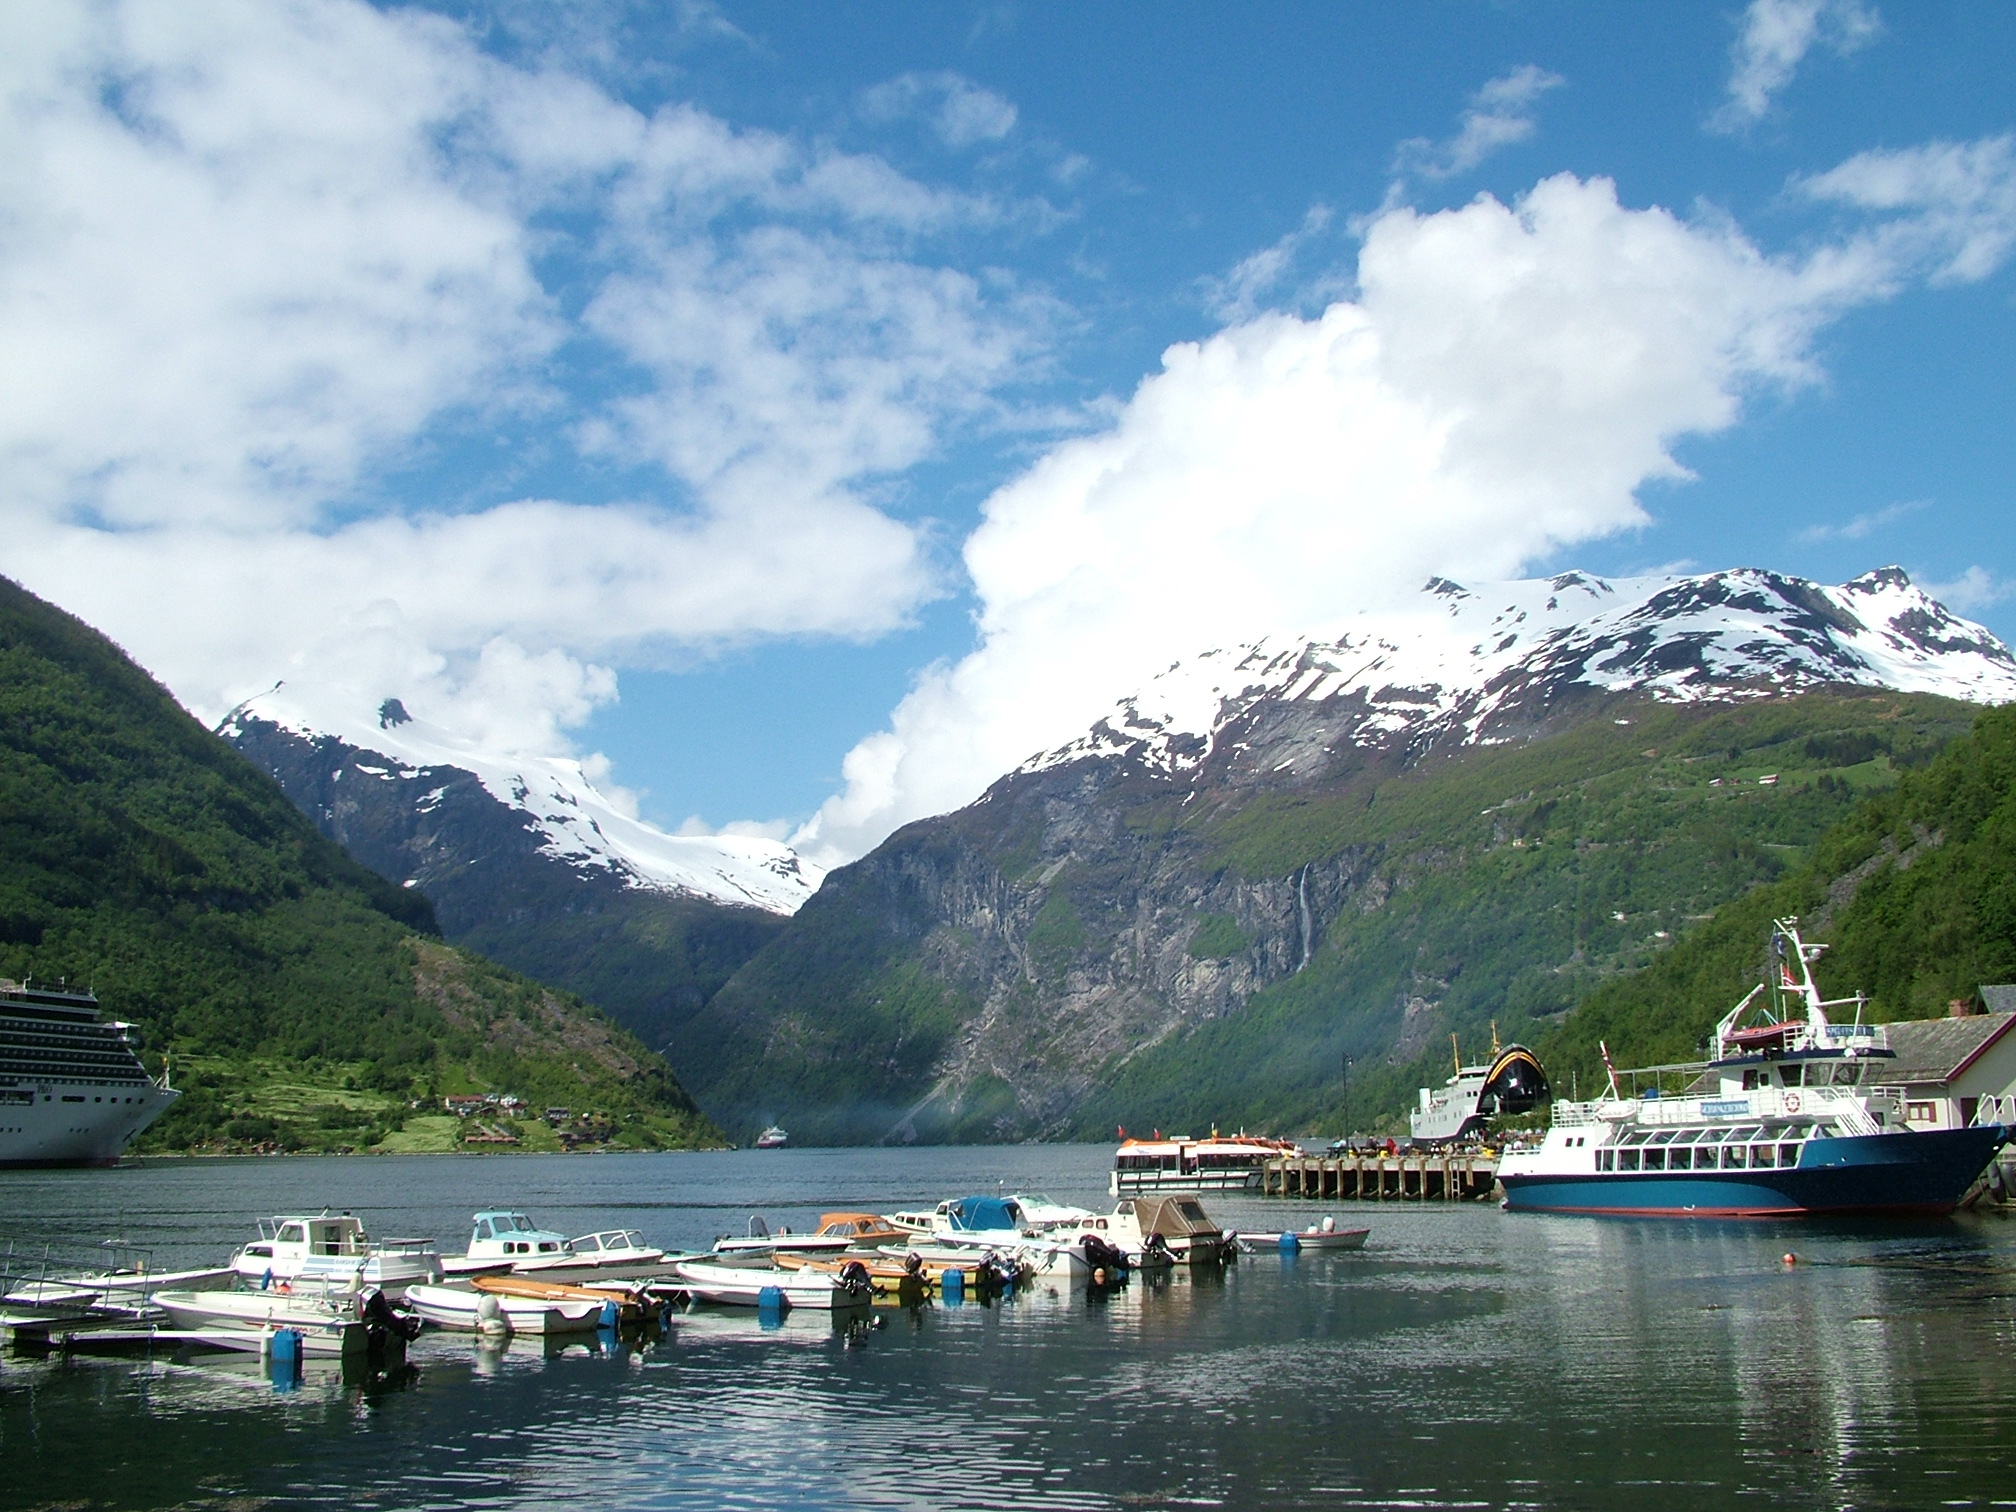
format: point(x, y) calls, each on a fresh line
point(1790, 1118)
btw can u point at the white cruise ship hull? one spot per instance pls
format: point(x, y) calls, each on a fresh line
point(73, 1123)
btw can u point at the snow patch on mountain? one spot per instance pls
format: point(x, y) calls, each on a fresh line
point(1458, 655)
point(576, 821)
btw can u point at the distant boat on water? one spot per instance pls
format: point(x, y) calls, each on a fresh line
point(772, 1138)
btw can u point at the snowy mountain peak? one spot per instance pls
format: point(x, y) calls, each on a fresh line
point(574, 820)
point(1460, 656)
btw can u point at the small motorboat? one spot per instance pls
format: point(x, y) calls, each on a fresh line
point(910, 1277)
point(745, 1285)
point(509, 1242)
point(118, 1284)
point(329, 1322)
point(336, 1250)
point(471, 1311)
point(627, 1301)
point(759, 1240)
point(1154, 1230)
point(862, 1231)
point(1317, 1236)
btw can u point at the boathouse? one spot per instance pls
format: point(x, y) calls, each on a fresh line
point(1958, 1070)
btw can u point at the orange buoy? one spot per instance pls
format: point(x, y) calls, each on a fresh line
point(1790, 1258)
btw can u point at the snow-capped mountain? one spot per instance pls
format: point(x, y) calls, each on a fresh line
point(1462, 660)
point(570, 820)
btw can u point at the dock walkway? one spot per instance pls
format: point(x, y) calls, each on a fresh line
point(1413, 1176)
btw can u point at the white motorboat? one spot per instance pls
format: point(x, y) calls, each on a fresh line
point(966, 1229)
point(120, 1283)
point(1317, 1236)
point(504, 1241)
point(1043, 1215)
point(745, 1285)
point(329, 1322)
point(335, 1250)
point(473, 1311)
point(1148, 1229)
point(758, 1240)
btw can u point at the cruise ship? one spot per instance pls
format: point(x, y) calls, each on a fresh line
point(1789, 1118)
point(72, 1092)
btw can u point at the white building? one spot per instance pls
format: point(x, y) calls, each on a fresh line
point(1958, 1070)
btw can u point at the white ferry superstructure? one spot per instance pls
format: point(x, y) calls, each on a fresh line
point(72, 1090)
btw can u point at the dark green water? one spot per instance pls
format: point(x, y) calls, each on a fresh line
point(1467, 1358)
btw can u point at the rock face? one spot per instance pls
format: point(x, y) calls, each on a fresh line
point(999, 972)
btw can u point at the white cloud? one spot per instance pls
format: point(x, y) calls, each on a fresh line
point(251, 256)
point(1505, 381)
point(1974, 589)
point(1776, 36)
point(1240, 293)
point(962, 113)
point(1861, 526)
point(1952, 204)
point(1500, 114)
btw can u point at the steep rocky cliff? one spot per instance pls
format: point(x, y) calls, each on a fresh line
point(1351, 845)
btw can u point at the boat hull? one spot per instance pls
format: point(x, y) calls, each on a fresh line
point(451, 1307)
point(1139, 1183)
point(1901, 1173)
point(743, 1286)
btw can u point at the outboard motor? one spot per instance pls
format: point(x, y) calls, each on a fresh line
point(386, 1327)
point(855, 1280)
point(1107, 1262)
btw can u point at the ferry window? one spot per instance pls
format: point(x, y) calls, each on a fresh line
point(1732, 1157)
point(1763, 1156)
point(1752, 1080)
point(1627, 1160)
point(1664, 1136)
point(1745, 1135)
point(1655, 1160)
point(1679, 1160)
point(1606, 1160)
point(1788, 1154)
point(1848, 1073)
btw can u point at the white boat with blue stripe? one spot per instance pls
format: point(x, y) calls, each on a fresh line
point(1787, 1120)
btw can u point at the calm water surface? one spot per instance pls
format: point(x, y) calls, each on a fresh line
point(1467, 1358)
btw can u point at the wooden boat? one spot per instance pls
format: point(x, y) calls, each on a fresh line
point(627, 1300)
point(472, 1311)
point(745, 1285)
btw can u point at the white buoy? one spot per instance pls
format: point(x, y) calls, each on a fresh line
point(490, 1316)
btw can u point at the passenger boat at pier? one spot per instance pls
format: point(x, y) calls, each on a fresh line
point(72, 1090)
point(1784, 1121)
point(1222, 1163)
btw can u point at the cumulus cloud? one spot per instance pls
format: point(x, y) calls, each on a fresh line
point(1506, 379)
point(962, 113)
point(1499, 114)
point(1951, 205)
point(253, 256)
point(1775, 39)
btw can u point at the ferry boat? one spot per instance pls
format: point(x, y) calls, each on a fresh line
point(772, 1138)
point(1784, 1121)
point(1510, 1082)
point(1222, 1163)
point(72, 1091)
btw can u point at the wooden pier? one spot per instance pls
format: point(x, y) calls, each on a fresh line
point(1414, 1176)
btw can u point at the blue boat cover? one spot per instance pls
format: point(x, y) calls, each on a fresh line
point(973, 1214)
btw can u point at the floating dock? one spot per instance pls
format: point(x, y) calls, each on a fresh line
point(1411, 1176)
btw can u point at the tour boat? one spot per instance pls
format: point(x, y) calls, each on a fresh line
point(335, 1250)
point(1222, 1163)
point(1784, 1121)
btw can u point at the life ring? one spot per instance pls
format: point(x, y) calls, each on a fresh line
point(1791, 1102)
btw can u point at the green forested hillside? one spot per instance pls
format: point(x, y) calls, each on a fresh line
point(1509, 883)
point(1915, 892)
point(142, 857)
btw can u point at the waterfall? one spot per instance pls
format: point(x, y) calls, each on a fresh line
point(1302, 902)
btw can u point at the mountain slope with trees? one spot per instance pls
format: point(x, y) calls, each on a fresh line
point(141, 856)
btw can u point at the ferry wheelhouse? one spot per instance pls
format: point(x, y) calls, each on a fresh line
point(1222, 1163)
point(1784, 1121)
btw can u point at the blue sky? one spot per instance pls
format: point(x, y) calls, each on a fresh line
point(638, 382)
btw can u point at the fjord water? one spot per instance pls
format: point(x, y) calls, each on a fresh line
point(1468, 1357)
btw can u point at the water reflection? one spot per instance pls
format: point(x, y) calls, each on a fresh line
point(1465, 1357)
